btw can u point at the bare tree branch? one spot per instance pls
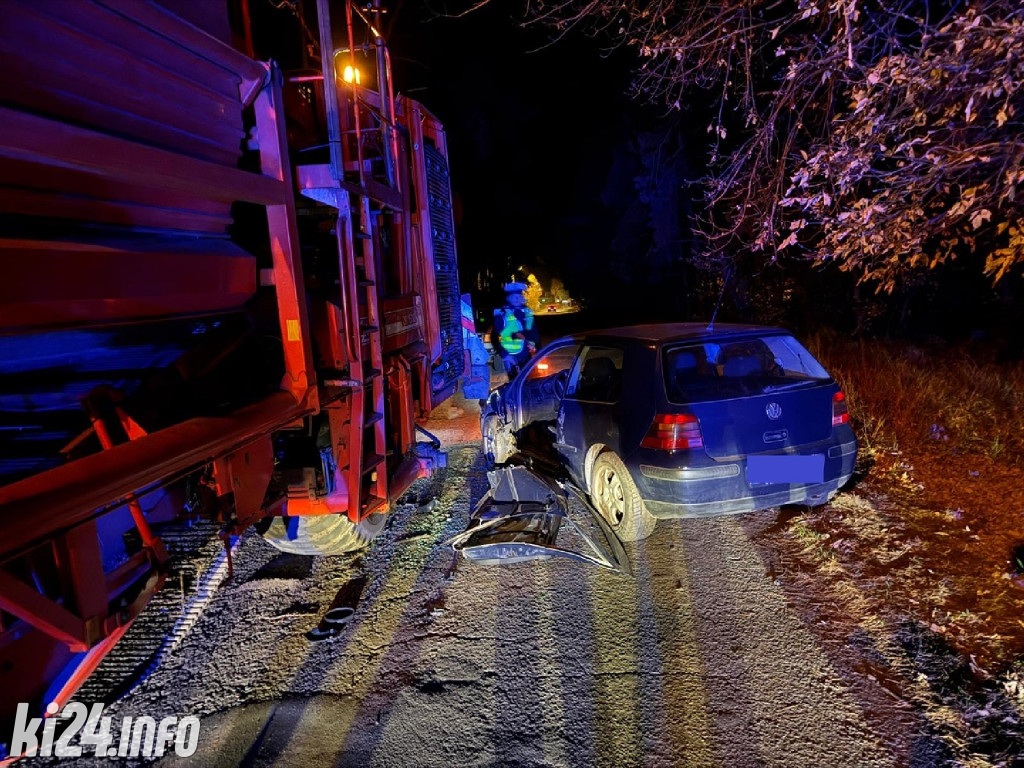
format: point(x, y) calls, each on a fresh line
point(885, 136)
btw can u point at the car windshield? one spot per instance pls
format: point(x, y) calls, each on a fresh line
point(724, 368)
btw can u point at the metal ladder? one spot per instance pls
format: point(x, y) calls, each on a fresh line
point(368, 474)
point(362, 454)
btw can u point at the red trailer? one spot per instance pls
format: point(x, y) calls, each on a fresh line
point(229, 289)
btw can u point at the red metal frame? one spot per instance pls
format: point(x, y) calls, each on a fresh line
point(413, 117)
point(38, 507)
point(100, 158)
point(120, 181)
point(300, 379)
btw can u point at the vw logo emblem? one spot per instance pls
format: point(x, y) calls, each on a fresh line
point(774, 411)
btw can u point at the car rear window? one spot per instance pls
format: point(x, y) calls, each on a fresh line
point(737, 368)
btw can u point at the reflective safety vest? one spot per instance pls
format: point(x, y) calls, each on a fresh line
point(512, 326)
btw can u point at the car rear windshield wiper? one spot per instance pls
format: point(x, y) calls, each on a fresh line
point(791, 385)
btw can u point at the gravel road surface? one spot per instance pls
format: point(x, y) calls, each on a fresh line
point(696, 659)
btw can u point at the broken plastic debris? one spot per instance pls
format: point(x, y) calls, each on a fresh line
point(316, 634)
point(339, 615)
point(342, 609)
point(523, 516)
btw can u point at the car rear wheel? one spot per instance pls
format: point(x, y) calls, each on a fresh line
point(616, 497)
point(322, 534)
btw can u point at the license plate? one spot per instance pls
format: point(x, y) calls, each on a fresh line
point(762, 470)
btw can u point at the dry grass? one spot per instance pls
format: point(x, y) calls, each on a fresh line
point(902, 395)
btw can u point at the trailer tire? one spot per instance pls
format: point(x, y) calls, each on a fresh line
point(322, 534)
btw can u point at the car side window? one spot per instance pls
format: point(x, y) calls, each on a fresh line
point(552, 362)
point(597, 376)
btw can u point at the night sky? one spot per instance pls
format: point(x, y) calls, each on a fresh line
point(532, 131)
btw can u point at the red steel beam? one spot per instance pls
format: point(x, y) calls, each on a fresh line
point(86, 186)
point(112, 159)
point(50, 502)
point(123, 213)
point(300, 378)
point(49, 284)
point(131, 85)
point(166, 24)
point(85, 571)
point(23, 601)
point(88, 665)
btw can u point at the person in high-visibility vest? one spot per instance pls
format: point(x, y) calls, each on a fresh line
point(515, 335)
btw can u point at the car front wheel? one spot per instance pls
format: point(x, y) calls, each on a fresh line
point(498, 446)
point(617, 499)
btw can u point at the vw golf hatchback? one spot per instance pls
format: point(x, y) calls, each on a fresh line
point(679, 420)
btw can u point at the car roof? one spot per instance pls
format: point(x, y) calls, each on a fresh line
point(669, 332)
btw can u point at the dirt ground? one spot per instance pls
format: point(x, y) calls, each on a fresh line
point(914, 563)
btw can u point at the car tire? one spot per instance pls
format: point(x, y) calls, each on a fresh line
point(322, 534)
point(616, 498)
point(496, 448)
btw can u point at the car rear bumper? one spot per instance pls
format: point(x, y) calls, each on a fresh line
point(721, 488)
point(803, 494)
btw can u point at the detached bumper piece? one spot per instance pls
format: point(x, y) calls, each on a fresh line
point(525, 516)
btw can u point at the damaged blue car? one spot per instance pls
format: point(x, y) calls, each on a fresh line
point(677, 420)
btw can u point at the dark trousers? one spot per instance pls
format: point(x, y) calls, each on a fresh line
point(515, 363)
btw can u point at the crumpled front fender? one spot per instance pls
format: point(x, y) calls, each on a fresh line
point(526, 516)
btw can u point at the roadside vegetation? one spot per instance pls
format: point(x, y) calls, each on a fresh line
point(914, 575)
point(956, 400)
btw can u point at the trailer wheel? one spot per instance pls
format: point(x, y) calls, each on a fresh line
point(322, 534)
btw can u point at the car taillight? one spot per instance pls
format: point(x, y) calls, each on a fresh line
point(674, 432)
point(840, 413)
